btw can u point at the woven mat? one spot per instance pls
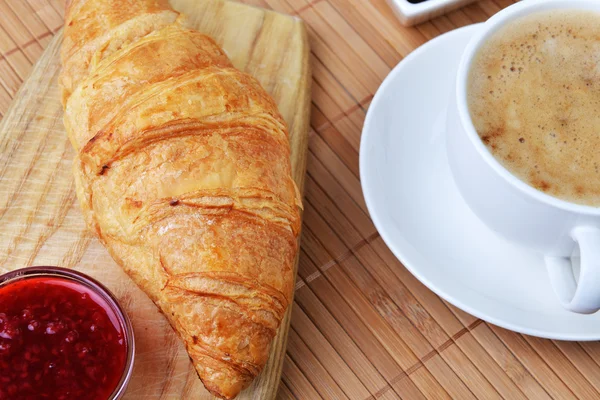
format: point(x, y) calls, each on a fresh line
point(362, 327)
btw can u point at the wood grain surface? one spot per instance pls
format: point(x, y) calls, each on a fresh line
point(42, 223)
point(362, 326)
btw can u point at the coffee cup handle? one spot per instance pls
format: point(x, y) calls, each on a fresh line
point(582, 296)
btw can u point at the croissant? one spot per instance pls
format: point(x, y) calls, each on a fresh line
point(182, 170)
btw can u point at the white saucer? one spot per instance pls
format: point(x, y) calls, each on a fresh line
point(421, 216)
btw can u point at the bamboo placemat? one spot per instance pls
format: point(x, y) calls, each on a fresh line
point(363, 326)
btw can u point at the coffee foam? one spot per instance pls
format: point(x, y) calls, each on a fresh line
point(534, 99)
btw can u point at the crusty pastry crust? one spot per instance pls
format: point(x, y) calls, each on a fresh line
point(183, 171)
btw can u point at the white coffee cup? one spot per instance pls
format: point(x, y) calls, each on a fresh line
point(515, 210)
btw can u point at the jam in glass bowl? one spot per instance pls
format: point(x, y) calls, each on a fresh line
point(63, 336)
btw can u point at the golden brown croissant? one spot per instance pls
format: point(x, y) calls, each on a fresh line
point(183, 171)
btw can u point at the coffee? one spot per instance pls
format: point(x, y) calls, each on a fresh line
point(534, 99)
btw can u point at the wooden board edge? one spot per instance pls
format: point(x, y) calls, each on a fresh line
point(266, 385)
point(22, 93)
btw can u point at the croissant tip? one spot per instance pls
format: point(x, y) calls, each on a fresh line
point(215, 391)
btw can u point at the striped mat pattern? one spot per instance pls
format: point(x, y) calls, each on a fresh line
point(363, 327)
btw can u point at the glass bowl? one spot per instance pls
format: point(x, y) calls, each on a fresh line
point(100, 290)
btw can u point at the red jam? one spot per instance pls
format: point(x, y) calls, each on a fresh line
point(58, 340)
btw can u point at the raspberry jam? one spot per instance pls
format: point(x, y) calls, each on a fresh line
point(60, 339)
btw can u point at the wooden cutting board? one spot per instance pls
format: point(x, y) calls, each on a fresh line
point(40, 220)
